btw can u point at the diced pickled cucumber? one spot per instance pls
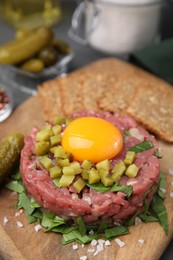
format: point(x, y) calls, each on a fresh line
point(132, 171)
point(130, 156)
point(103, 173)
point(68, 120)
point(107, 181)
point(94, 176)
point(42, 148)
point(44, 135)
point(55, 172)
point(46, 127)
point(105, 164)
point(76, 167)
point(59, 120)
point(87, 164)
point(118, 171)
point(68, 170)
point(66, 180)
point(85, 174)
point(55, 139)
point(46, 162)
point(56, 129)
point(58, 152)
point(79, 185)
point(10, 149)
point(63, 162)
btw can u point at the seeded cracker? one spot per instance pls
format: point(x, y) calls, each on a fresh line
point(153, 108)
point(51, 98)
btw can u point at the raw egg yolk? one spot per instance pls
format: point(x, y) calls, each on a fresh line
point(92, 138)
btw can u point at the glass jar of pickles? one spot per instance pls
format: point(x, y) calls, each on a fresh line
point(23, 14)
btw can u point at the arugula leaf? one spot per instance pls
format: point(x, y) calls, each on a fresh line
point(126, 132)
point(76, 236)
point(103, 226)
point(34, 204)
point(156, 153)
point(56, 181)
point(15, 186)
point(148, 218)
point(162, 185)
point(125, 189)
point(98, 187)
point(157, 205)
point(47, 219)
point(116, 231)
point(142, 146)
point(81, 225)
point(25, 202)
point(101, 188)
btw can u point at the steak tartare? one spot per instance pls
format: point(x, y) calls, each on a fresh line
point(93, 205)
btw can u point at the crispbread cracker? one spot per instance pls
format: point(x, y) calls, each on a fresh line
point(112, 85)
point(51, 98)
point(153, 108)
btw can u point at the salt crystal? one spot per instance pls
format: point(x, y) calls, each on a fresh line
point(96, 253)
point(172, 183)
point(163, 190)
point(5, 220)
point(171, 194)
point(94, 242)
point(100, 247)
point(91, 250)
point(84, 257)
point(107, 243)
point(82, 245)
point(18, 213)
point(91, 232)
point(141, 241)
point(138, 221)
point(37, 227)
point(19, 224)
point(170, 171)
point(119, 242)
point(101, 241)
point(75, 247)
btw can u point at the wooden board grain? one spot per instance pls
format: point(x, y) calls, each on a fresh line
point(25, 243)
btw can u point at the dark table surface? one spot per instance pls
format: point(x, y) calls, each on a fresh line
point(83, 56)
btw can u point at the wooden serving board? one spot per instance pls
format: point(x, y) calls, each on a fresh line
point(25, 243)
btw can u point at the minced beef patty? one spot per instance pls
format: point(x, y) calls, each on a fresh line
point(92, 205)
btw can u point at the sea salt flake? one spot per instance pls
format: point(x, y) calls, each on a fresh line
point(101, 241)
point(84, 257)
point(37, 227)
point(75, 247)
point(82, 245)
point(119, 242)
point(138, 221)
point(107, 243)
point(91, 250)
point(96, 253)
point(91, 232)
point(5, 220)
point(172, 183)
point(171, 194)
point(170, 171)
point(19, 224)
point(94, 242)
point(163, 190)
point(18, 213)
point(100, 247)
point(141, 241)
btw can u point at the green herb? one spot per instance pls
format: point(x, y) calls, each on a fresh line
point(76, 236)
point(103, 226)
point(148, 218)
point(125, 189)
point(34, 204)
point(126, 132)
point(17, 176)
point(15, 186)
point(101, 188)
point(81, 225)
point(56, 181)
point(98, 187)
point(142, 146)
point(113, 232)
point(25, 202)
point(162, 185)
point(159, 209)
point(156, 153)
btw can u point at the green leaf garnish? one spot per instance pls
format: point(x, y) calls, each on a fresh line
point(162, 185)
point(126, 132)
point(101, 188)
point(81, 225)
point(159, 209)
point(56, 181)
point(142, 146)
point(15, 186)
point(157, 154)
point(116, 231)
point(34, 204)
point(25, 202)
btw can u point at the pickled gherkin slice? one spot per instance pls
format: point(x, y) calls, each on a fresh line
point(10, 149)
